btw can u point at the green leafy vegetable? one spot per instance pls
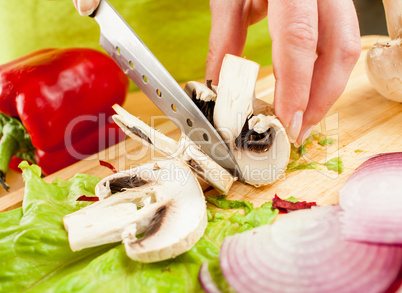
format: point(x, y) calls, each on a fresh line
point(221, 202)
point(302, 149)
point(326, 141)
point(35, 255)
point(291, 199)
point(335, 164)
point(358, 151)
point(302, 166)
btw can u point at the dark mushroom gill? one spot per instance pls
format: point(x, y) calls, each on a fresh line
point(139, 133)
point(192, 163)
point(155, 224)
point(206, 107)
point(254, 141)
point(119, 184)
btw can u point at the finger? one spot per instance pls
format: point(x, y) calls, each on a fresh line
point(86, 7)
point(229, 22)
point(338, 50)
point(294, 32)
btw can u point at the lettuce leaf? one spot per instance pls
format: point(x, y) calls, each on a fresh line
point(35, 255)
point(221, 202)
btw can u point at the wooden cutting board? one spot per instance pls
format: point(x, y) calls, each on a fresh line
point(361, 122)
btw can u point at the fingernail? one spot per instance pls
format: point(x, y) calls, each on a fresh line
point(295, 126)
point(304, 134)
point(85, 7)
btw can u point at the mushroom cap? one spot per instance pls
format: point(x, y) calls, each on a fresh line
point(384, 69)
point(200, 91)
point(179, 220)
point(168, 205)
point(265, 167)
point(393, 15)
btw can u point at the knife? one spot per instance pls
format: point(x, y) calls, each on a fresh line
point(130, 53)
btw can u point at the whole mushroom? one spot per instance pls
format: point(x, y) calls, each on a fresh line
point(383, 62)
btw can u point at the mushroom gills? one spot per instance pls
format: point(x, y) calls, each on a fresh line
point(204, 96)
point(183, 150)
point(127, 182)
point(169, 209)
point(250, 139)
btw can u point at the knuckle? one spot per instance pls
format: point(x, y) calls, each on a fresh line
point(302, 34)
point(350, 50)
point(211, 57)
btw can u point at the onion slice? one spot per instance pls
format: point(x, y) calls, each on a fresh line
point(304, 251)
point(206, 281)
point(371, 200)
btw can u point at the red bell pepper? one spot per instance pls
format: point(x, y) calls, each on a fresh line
point(62, 99)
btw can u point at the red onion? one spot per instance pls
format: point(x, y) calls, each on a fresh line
point(206, 281)
point(371, 200)
point(304, 252)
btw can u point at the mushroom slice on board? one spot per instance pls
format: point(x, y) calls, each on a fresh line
point(162, 199)
point(258, 140)
point(184, 150)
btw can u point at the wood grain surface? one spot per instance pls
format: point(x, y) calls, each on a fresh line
point(360, 120)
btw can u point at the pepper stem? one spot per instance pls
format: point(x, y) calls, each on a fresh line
point(14, 140)
point(8, 147)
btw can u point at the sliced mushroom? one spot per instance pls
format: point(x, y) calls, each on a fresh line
point(383, 61)
point(163, 200)
point(204, 96)
point(256, 137)
point(184, 150)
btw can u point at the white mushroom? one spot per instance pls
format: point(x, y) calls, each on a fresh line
point(383, 62)
point(255, 136)
point(204, 96)
point(163, 200)
point(184, 150)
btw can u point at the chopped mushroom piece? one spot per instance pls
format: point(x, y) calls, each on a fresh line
point(163, 200)
point(204, 96)
point(184, 150)
point(255, 136)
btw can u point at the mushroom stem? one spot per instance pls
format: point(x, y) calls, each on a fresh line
point(393, 14)
point(234, 103)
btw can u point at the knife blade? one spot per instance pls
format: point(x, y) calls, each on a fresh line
point(131, 54)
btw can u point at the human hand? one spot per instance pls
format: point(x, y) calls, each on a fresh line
point(86, 7)
point(315, 45)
